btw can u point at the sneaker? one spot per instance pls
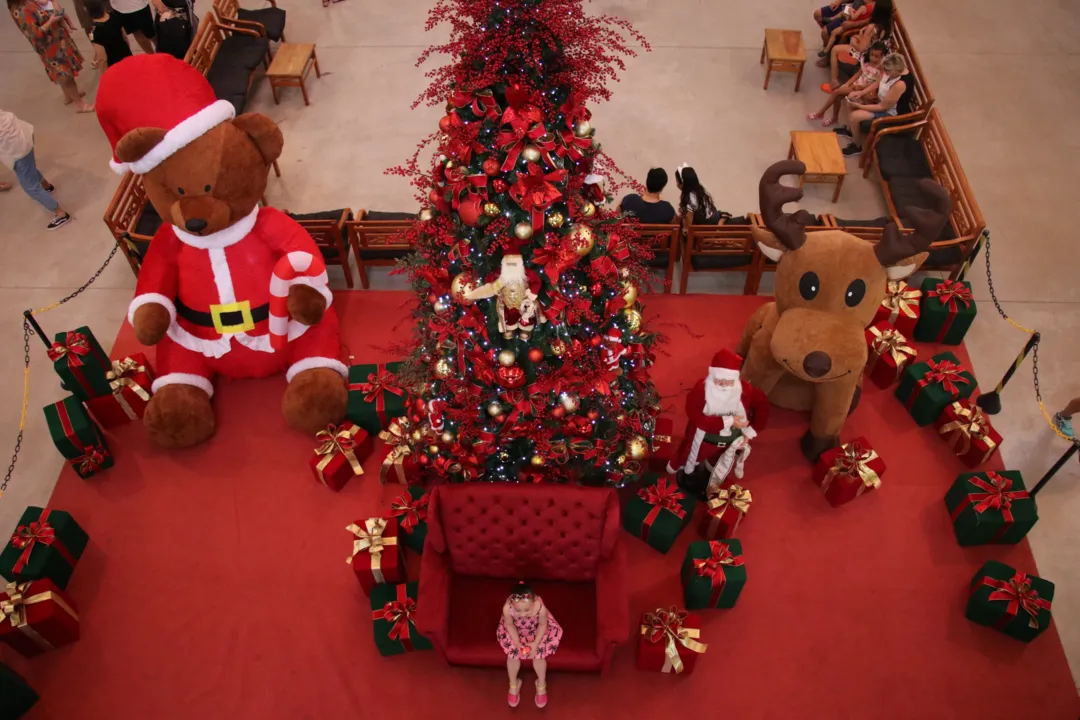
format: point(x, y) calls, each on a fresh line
point(49, 188)
point(842, 130)
point(59, 221)
point(852, 150)
point(1064, 425)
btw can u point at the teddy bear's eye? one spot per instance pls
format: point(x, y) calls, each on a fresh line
point(180, 190)
point(206, 189)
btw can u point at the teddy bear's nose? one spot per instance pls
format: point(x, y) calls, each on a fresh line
point(817, 364)
point(195, 225)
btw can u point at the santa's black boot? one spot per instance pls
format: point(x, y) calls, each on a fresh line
point(694, 483)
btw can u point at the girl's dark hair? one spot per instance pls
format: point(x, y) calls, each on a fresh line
point(94, 8)
point(522, 588)
point(882, 16)
point(12, 5)
point(878, 46)
point(691, 187)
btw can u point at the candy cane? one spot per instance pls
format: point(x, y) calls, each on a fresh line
point(290, 270)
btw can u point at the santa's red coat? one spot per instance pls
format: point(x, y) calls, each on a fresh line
point(754, 402)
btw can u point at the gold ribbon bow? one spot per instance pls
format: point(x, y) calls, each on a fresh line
point(337, 440)
point(900, 300)
point(971, 424)
point(734, 496)
point(666, 625)
point(396, 436)
point(119, 378)
point(13, 610)
point(370, 538)
point(852, 462)
point(892, 342)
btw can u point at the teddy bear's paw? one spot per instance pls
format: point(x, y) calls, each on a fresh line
point(150, 322)
point(179, 416)
point(306, 305)
point(314, 399)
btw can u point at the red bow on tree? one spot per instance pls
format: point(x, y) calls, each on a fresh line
point(574, 109)
point(482, 103)
point(535, 192)
point(460, 182)
point(462, 140)
point(571, 145)
point(557, 256)
point(512, 143)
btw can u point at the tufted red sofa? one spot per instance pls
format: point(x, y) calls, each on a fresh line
point(565, 539)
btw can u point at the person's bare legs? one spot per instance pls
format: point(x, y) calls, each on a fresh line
point(540, 666)
point(854, 121)
point(1072, 408)
point(144, 42)
point(513, 667)
point(71, 92)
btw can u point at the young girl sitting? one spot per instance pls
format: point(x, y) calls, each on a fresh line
point(106, 34)
point(863, 85)
point(527, 631)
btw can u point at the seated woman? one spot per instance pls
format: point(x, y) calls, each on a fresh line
point(861, 87)
point(696, 206)
point(856, 19)
point(835, 14)
point(894, 92)
point(844, 60)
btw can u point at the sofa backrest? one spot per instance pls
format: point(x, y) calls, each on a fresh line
point(535, 532)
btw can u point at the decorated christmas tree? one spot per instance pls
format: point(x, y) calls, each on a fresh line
point(532, 356)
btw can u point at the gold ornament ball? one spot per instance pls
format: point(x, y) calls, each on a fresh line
point(620, 460)
point(583, 128)
point(440, 306)
point(507, 358)
point(630, 293)
point(531, 153)
point(620, 419)
point(537, 461)
point(443, 368)
point(633, 319)
point(426, 214)
point(555, 220)
point(433, 449)
point(583, 240)
point(588, 209)
point(569, 402)
point(494, 409)
point(637, 447)
point(491, 209)
point(417, 436)
point(523, 231)
point(449, 164)
point(447, 437)
point(461, 284)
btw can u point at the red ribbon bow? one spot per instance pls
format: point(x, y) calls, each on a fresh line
point(379, 383)
point(997, 495)
point(535, 192)
point(75, 346)
point(411, 512)
point(664, 495)
point(713, 565)
point(557, 256)
point(948, 292)
point(945, 373)
point(512, 142)
point(461, 182)
point(574, 109)
point(1017, 591)
point(482, 103)
point(90, 461)
point(463, 140)
point(27, 537)
point(399, 614)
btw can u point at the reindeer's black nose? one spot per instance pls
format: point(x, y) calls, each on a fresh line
point(195, 225)
point(817, 364)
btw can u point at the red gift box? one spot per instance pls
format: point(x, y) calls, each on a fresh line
point(967, 430)
point(900, 308)
point(376, 557)
point(724, 511)
point(887, 354)
point(344, 448)
point(36, 617)
point(398, 463)
point(662, 447)
point(846, 472)
point(669, 641)
point(130, 379)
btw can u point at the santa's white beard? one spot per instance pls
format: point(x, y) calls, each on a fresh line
point(512, 274)
point(722, 400)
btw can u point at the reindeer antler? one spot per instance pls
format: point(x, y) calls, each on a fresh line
point(895, 246)
point(790, 229)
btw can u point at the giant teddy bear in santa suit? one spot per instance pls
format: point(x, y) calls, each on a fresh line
point(226, 288)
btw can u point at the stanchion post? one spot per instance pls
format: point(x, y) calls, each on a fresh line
point(979, 242)
point(1073, 448)
point(29, 315)
point(991, 402)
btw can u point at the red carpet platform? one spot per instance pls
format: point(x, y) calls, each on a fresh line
point(215, 584)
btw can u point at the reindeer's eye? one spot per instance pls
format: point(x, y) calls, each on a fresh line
point(855, 293)
point(809, 285)
point(180, 190)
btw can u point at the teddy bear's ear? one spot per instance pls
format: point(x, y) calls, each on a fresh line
point(264, 132)
point(137, 143)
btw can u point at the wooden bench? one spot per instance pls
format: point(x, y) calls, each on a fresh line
point(727, 247)
point(763, 264)
point(327, 229)
point(664, 241)
point(132, 220)
point(228, 56)
point(377, 239)
point(903, 155)
point(270, 21)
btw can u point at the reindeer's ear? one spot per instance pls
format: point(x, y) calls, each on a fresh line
point(137, 143)
point(905, 267)
point(770, 246)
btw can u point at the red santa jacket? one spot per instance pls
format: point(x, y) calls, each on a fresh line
point(217, 287)
point(754, 402)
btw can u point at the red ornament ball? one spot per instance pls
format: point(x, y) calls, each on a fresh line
point(595, 340)
point(422, 459)
point(446, 122)
point(558, 411)
point(432, 297)
point(593, 414)
point(434, 197)
point(536, 355)
point(415, 419)
point(420, 405)
point(491, 167)
point(471, 209)
point(510, 377)
point(597, 288)
point(499, 185)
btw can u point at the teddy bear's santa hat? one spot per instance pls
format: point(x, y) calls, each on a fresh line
point(157, 91)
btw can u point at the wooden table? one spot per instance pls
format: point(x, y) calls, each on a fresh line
point(290, 67)
point(786, 53)
point(820, 152)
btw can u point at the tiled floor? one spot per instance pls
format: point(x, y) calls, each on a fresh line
point(1006, 88)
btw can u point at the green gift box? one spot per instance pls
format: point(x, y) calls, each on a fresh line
point(78, 437)
point(81, 363)
point(375, 396)
point(16, 696)
point(1008, 600)
point(946, 311)
point(659, 512)
point(713, 574)
point(393, 608)
point(927, 388)
point(411, 508)
point(46, 544)
point(991, 508)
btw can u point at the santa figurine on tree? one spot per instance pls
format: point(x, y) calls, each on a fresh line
point(516, 298)
point(721, 409)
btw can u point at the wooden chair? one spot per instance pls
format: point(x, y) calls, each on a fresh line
point(132, 220)
point(664, 240)
point(327, 229)
point(727, 247)
point(377, 239)
point(270, 22)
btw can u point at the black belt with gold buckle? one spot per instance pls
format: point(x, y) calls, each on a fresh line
point(229, 317)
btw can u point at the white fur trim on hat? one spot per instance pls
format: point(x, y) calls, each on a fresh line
point(723, 374)
point(180, 136)
point(316, 362)
point(118, 167)
point(184, 379)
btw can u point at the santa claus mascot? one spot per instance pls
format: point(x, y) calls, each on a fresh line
point(515, 292)
point(720, 410)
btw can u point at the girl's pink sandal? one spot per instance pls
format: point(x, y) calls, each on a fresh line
point(541, 695)
point(513, 697)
